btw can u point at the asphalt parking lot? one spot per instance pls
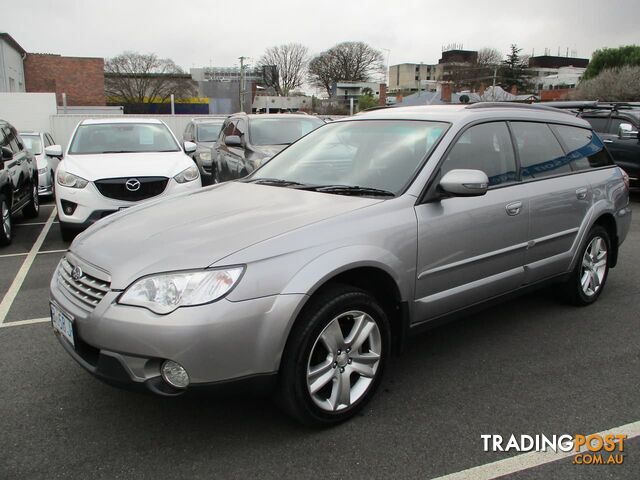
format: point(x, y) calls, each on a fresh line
point(529, 366)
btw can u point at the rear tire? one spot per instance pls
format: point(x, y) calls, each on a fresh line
point(6, 226)
point(33, 207)
point(334, 358)
point(588, 278)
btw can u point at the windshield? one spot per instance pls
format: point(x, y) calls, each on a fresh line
point(281, 131)
point(208, 132)
point(123, 138)
point(33, 143)
point(381, 154)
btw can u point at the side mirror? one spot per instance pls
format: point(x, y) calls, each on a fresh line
point(53, 151)
point(625, 130)
point(190, 147)
point(7, 154)
point(465, 183)
point(233, 141)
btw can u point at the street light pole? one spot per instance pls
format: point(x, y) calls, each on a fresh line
point(242, 82)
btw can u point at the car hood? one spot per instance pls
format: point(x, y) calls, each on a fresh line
point(197, 229)
point(115, 165)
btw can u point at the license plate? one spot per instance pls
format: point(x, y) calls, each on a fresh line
point(62, 324)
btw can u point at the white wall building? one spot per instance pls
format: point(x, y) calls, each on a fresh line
point(11, 64)
point(563, 77)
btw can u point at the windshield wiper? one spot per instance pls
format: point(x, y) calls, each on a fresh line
point(119, 151)
point(274, 181)
point(352, 190)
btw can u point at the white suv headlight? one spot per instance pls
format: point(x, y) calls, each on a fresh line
point(187, 175)
point(70, 180)
point(166, 292)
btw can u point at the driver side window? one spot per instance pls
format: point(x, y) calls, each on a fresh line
point(486, 147)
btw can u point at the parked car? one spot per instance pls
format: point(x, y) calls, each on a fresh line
point(618, 125)
point(305, 277)
point(112, 164)
point(36, 142)
point(203, 132)
point(18, 181)
point(247, 141)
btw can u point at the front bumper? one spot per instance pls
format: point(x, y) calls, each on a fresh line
point(91, 205)
point(218, 342)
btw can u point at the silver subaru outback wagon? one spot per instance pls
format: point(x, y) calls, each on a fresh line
point(305, 276)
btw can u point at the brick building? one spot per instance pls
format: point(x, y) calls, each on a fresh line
point(81, 78)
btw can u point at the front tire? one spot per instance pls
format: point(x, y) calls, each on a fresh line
point(588, 278)
point(6, 226)
point(335, 357)
point(33, 207)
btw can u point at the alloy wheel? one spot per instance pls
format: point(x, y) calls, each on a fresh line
point(594, 266)
point(36, 200)
point(344, 361)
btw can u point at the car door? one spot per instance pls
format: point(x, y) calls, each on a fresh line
point(17, 166)
point(559, 200)
point(234, 155)
point(625, 151)
point(473, 248)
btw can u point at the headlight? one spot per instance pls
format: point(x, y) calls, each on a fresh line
point(187, 175)
point(67, 179)
point(205, 155)
point(164, 293)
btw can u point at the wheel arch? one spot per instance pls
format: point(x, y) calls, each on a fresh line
point(608, 222)
point(374, 279)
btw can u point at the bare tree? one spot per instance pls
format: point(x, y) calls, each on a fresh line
point(346, 61)
point(489, 56)
point(144, 78)
point(290, 61)
point(613, 85)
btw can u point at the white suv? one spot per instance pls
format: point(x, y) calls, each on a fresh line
point(113, 164)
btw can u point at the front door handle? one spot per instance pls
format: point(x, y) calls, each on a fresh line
point(513, 208)
point(581, 193)
point(607, 141)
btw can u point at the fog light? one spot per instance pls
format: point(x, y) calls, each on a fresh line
point(68, 207)
point(174, 374)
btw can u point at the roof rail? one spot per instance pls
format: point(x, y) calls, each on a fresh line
point(594, 105)
point(531, 106)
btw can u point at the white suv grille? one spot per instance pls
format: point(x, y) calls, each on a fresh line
point(85, 291)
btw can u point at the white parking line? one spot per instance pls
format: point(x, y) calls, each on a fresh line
point(11, 294)
point(25, 322)
point(27, 253)
point(529, 460)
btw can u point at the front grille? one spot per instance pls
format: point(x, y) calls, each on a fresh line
point(147, 187)
point(86, 291)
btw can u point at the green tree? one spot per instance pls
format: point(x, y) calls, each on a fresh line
point(514, 69)
point(608, 58)
point(367, 100)
point(620, 84)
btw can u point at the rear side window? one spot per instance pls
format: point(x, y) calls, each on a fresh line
point(599, 124)
point(485, 147)
point(540, 153)
point(584, 149)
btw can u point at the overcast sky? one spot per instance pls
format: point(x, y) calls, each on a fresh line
point(199, 32)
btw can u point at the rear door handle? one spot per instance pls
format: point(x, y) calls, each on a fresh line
point(581, 193)
point(513, 208)
point(607, 141)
